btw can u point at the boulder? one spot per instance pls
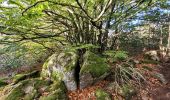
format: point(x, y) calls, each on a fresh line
point(61, 66)
point(34, 89)
point(94, 68)
point(152, 55)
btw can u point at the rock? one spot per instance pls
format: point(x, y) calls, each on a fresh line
point(152, 55)
point(20, 77)
point(3, 83)
point(127, 91)
point(34, 89)
point(93, 69)
point(86, 80)
point(160, 77)
point(134, 61)
point(102, 95)
point(61, 66)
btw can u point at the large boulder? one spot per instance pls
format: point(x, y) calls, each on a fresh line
point(93, 69)
point(61, 66)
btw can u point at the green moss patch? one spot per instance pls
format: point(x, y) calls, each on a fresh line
point(102, 95)
point(57, 91)
point(27, 89)
point(3, 83)
point(20, 77)
point(127, 91)
point(147, 61)
point(94, 64)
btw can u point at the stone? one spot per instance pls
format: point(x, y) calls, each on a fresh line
point(93, 69)
point(160, 77)
point(61, 66)
point(152, 55)
point(34, 89)
point(86, 80)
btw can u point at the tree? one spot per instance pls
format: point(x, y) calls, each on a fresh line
point(71, 22)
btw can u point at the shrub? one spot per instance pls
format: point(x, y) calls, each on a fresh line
point(115, 56)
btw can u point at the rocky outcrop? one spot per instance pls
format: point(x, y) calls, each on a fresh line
point(34, 89)
point(93, 69)
point(61, 66)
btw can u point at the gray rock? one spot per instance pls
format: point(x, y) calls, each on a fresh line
point(61, 66)
point(152, 55)
point(93, 69)
point(86, 80)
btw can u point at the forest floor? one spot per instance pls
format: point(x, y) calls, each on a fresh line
point(153, 90)
point(162, 92)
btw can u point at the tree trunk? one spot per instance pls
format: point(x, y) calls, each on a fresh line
point(168, 45)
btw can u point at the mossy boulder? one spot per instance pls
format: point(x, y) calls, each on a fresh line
point(93, 69)
point(61, 66)
point(32, 89)
point(19, 77)
point(102, 95)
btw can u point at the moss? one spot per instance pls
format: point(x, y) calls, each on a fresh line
point(94, 64)
point(3, 83)
point(20, 77)
point(147, 61)
point(147, 68)
point(16, 93)
point(67, 60)
point(57, 91)
point(102, 95)
point(19, 90)
point(30, 96)
point(127, 91)
point(50, 61)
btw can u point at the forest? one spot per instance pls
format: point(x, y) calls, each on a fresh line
point(84, 49)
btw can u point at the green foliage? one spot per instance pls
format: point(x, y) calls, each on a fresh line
point(23, 54)
point(116, 55)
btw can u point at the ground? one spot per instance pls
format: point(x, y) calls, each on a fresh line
point(152, 90)
point(162, 92)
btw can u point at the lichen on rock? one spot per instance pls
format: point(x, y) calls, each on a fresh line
point(35, 88)
point(61, 66)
